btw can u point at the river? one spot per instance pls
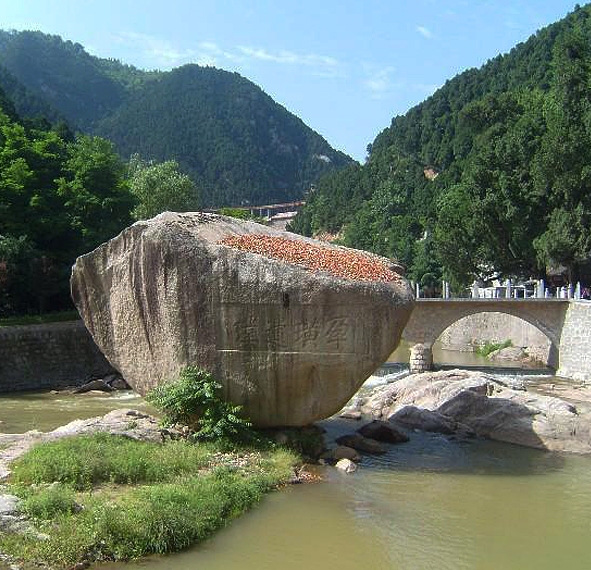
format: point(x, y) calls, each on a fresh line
point(434, 503)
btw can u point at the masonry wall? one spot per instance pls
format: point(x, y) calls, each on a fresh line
point(476, 330)
point(43, 357)
point(575, 342)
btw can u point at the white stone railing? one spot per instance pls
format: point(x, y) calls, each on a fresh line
point(510, 291)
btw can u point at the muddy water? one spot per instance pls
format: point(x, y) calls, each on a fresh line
point(43, 411)
point(431, 504)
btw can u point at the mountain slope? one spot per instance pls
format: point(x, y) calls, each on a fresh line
point(229, 137)
point(232, 138)
point(393, 203)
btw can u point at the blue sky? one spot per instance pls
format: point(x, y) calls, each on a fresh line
point(346, 68)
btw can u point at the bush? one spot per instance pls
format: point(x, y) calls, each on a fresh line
point(194, 400)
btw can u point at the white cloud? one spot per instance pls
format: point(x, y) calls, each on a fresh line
point(425, 32)
point(164, 54)
point(379, 80)
point(160, 52)
point(289, 57)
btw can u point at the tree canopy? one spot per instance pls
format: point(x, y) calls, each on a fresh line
point(59, 197)
point(159, 188)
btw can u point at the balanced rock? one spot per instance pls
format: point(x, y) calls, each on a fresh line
point(290, 326)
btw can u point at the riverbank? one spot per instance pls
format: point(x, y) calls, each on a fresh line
point(120, 487)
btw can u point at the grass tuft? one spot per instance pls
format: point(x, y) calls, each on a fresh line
point(51, 501)
point(88, 460)
point(489, 347)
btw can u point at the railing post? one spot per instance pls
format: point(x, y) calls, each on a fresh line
point(509, 291)
point(417, 291)
point(578, 290)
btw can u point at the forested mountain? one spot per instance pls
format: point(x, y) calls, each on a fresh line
point(233, 139)
point(488, 176)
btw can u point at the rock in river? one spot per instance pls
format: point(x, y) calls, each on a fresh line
point(382, 431)
point(290, 325)
point(476, 402)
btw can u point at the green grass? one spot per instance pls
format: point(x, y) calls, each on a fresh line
point(85, 461)
point(55, 317)
point(491, 347)
point(178, 499)
point(46, 503)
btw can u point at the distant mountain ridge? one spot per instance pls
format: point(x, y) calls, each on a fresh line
point(235, 141)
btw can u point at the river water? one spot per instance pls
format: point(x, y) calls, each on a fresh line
point(434, 503)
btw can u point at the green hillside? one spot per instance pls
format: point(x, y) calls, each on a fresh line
point(485, 177)
point(223, 130)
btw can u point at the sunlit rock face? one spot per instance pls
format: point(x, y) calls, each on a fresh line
point(290, 342)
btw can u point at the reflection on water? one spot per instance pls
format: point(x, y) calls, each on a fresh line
point(442, 357)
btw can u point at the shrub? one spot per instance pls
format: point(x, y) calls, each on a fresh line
point(194, 399)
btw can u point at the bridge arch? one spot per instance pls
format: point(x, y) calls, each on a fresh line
point(431, 317)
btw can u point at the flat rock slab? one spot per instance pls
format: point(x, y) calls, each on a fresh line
point(290, 343)
point(9, 505)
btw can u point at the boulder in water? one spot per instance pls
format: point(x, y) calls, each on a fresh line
point(290, 326)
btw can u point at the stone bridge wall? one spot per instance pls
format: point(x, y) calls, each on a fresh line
point(43, 357)
point(476, 330)
point(575, 342)
point(566, 324)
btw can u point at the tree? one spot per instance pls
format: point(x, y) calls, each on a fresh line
point(160, 187)
point(563, 167)
point(97, 200)
point(488, 222)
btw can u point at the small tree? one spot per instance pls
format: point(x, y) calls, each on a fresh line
point(193, 399)
point(160, 187)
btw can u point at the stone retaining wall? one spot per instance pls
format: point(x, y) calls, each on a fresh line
point(476, 330)
point(575, 342)
point(43, 357)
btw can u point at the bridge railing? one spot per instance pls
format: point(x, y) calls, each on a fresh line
point(510, 291)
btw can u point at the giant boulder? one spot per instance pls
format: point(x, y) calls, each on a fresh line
point(290, 343)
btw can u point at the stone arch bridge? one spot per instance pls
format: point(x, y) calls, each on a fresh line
point(431, 317)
